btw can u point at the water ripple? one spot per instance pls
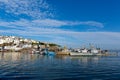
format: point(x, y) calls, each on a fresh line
point(18, 66)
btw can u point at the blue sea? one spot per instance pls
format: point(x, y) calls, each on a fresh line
point(24, 66)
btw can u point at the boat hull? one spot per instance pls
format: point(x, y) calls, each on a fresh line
point(81, 54)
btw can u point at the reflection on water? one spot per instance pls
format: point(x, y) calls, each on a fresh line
point(21, 66)
point(16, 56)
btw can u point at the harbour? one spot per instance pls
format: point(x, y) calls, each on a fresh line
point(59, 39)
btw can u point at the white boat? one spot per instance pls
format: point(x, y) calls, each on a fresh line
point(18, 49)
point(81, 54)
point(84, 50)
point(94, 51)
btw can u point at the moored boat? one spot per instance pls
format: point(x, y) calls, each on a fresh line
point(51, 53)
point(81, 54)
point(43, 52)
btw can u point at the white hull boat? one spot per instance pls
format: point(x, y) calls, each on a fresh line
point(81, 54)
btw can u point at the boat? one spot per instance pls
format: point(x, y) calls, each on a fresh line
point(18, 49)
point(87, 51)
point(50, 53)
point(81, 54)
point(84, 52)
point(43, 52)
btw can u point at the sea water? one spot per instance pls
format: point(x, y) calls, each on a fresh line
point(25, 66)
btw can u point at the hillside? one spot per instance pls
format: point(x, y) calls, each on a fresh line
point(13, 43)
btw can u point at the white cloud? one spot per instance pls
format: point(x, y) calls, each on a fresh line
point(43, 26)
point(88, 23)
point(70, 38)
point(40, 11)
point(34, 8)
point(49, 23)
point(58, 23)
point(48, 28)
point(92, 23)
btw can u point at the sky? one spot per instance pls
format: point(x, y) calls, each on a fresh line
point(72, 23)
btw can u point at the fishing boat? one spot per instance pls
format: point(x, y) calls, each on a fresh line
point(84, 52)
point(81, 54)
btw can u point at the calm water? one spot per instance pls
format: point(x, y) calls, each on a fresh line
point(18, 66)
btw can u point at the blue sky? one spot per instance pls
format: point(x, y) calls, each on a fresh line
point(73, 23)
